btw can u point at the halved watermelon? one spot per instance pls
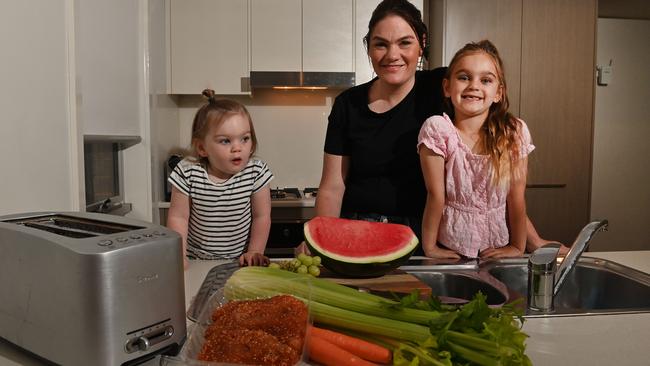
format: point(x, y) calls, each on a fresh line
point(355, 248)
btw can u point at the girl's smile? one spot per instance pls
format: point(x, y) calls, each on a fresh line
point(473, 86)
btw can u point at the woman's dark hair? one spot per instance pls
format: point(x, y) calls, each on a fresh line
point(405, 10)
point(214, 112)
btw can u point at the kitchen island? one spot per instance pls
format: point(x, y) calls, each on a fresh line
point(578, 340)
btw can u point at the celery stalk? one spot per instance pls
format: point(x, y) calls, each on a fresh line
point(327, 292)
point(239, 288)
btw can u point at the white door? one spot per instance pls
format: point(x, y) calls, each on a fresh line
point(620, 174)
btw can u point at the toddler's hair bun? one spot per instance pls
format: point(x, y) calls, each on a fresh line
point(208, 93)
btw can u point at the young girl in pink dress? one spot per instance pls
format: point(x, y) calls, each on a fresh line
point(474, 163)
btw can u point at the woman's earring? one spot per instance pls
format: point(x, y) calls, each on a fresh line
point(420, 64)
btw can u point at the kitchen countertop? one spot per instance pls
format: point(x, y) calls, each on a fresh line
point(581, 340)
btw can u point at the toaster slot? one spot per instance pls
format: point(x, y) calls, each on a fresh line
point(73, 227)
point(60, 231)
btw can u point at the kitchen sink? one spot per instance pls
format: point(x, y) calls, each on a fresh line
point(594, 287)
point(460, 287)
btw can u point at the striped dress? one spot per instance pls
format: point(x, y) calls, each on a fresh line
point(220, 213)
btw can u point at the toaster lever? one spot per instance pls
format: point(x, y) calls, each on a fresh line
point(144, 342)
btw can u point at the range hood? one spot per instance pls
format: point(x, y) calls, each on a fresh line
point(301, 80)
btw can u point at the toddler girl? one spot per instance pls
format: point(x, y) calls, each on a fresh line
point(221, 201)
point(474, 162)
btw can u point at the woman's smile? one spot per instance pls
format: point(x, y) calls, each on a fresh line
point(394, 50)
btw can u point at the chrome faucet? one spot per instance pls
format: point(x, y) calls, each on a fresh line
point(545, 278)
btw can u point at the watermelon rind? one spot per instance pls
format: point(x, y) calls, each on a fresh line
point(361, 266)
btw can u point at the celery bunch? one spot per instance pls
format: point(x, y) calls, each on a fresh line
point(419, 332)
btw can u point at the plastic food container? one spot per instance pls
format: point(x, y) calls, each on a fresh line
point(190, 351)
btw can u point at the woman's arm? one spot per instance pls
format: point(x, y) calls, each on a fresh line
point(433, 169)
point(330, 190)
point(178, 218)
point(332, 185)
point(260, 227)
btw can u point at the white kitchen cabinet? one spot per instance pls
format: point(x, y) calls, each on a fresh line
point(327, 36)
point(302, 35)
point(209, 46)
point(109, 67)
point(38, 131)
point(276, 35)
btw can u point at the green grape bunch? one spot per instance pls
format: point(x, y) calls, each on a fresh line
point(303, 263)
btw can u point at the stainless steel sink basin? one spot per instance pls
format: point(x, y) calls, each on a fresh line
point(460, 287)
point(594, 287)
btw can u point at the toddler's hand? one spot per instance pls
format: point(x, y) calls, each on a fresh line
point(441, 253)
point(508, 251)
point(253, 259)
point(302, 248)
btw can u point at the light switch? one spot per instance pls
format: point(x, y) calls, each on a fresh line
point(604, 75)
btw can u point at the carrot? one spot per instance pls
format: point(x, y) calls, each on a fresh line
point(359, 347)
point(329, 354)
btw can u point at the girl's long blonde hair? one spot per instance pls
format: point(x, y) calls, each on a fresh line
point(499, 136)
point(214, 112)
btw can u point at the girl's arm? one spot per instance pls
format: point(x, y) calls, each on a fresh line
point(433, 169)
point(178, 218)
point(260, 227)
point(332, 185)
point(517, 217)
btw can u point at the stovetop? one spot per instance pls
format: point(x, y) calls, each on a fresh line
point(290, 196)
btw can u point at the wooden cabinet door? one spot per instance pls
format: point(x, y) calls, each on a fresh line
point(209, 46)
point(496, 20)
point(557, 93)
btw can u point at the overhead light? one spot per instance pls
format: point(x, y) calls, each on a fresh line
point(300, 87)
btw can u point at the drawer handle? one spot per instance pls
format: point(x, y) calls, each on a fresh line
point(546, 185)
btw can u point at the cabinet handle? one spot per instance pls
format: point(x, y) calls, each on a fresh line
point(546, 185)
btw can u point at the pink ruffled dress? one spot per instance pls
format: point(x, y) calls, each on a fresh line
point(474, 216)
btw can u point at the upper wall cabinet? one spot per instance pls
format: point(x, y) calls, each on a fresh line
point(302, 35)
point(109, 66)
point(209, 46)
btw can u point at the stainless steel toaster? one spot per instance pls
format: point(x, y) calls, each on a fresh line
point(82, 288)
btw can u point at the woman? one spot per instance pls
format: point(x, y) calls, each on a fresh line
point(371, 169)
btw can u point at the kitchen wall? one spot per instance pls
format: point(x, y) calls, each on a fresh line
point(290, 126)
point(620, 173)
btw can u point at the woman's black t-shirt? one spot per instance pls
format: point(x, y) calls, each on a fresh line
point(384, 176)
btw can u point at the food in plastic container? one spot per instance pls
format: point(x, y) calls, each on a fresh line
point(269, 331)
